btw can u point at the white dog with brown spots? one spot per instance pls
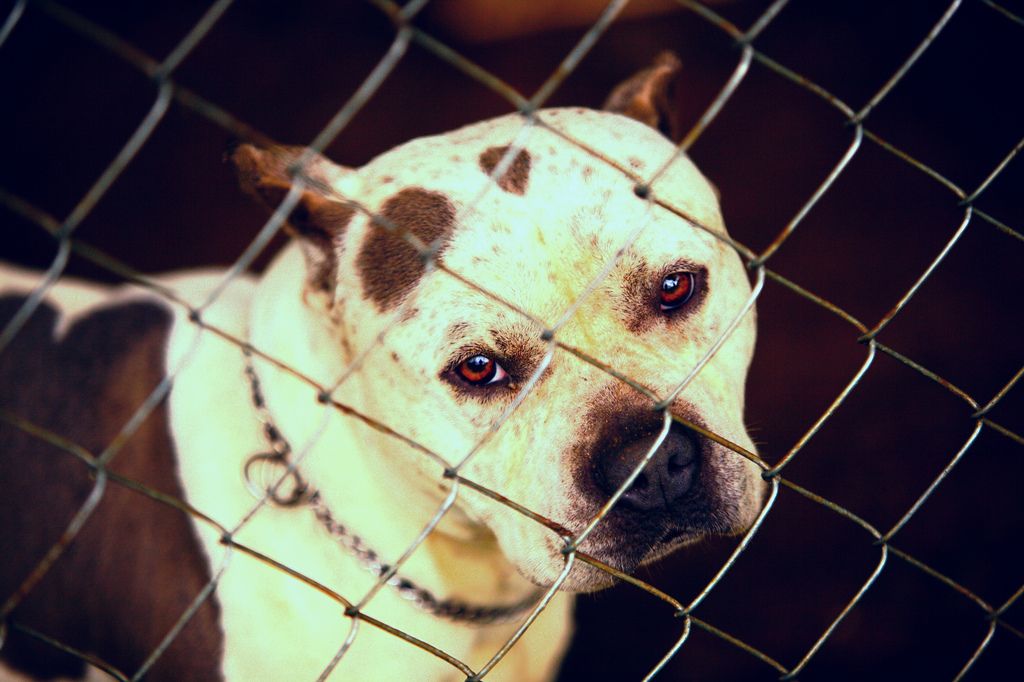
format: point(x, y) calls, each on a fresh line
point(428, 365)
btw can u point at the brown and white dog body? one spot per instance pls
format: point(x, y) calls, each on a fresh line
point(431, 358)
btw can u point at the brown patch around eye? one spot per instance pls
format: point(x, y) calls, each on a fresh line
point(516, 177)
point(636, 288)
point(640, 306)
point(388, 265)
point(516, 349)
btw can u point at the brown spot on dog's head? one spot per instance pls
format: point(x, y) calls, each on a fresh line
point(516, 176)
point(389, 265)
point(317, 219)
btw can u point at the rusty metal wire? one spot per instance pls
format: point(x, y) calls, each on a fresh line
point(450, 465)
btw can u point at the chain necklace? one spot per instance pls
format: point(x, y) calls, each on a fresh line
point(297, 491)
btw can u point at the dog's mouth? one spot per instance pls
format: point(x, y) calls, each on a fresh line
point(626, 540)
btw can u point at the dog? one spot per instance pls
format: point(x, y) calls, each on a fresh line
point(414, 336)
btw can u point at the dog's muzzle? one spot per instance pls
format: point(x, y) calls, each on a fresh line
point(689, 487)
point(675, 494)
point(665, 483)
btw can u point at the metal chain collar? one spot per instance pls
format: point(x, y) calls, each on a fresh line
point(264, 481)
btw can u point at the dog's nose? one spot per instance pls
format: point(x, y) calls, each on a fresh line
point(668, 477)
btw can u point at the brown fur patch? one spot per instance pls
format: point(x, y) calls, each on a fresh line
point(516, 177)
point(389, 266)
point(136, 565)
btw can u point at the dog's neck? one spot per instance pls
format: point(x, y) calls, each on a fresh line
point(341, 457)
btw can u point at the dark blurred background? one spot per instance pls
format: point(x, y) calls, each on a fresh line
point(286, 67)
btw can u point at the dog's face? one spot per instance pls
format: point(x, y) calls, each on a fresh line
point(454, 360)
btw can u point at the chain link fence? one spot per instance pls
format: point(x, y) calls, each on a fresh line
point(686, 610)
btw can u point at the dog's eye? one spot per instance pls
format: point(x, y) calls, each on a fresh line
point(480, 370)
point(675, 291)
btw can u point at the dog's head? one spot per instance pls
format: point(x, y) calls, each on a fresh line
point(583, 265)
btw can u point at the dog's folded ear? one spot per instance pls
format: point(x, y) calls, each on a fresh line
point(649, 96)
point(318, 219)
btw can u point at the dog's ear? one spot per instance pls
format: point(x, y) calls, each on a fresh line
point(318, 219)
point(649, 96)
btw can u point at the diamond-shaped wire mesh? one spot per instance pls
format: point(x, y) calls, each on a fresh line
point(882, 231)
